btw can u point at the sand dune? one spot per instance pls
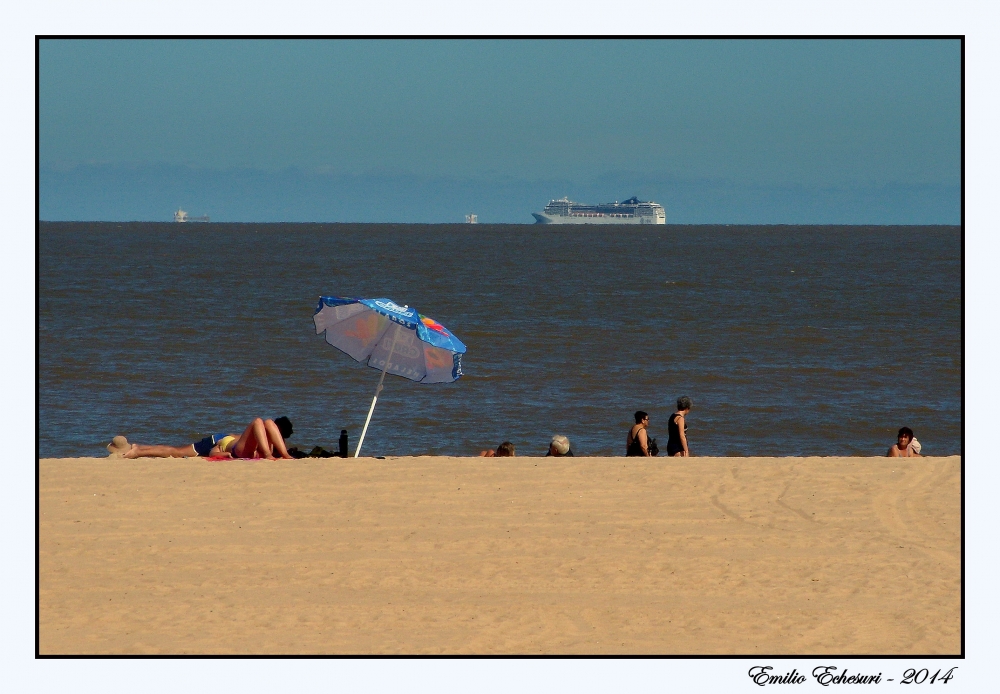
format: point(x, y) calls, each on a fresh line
point(429, 555)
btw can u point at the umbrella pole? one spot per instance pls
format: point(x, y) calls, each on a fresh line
point(378, 390)
point(371, 409)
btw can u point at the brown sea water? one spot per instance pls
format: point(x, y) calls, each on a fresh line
point(791, 340)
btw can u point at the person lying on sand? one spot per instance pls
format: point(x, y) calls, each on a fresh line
point(263, 438)
point(906, 446)
point(504, 450)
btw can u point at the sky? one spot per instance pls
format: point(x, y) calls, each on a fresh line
point(741, 131)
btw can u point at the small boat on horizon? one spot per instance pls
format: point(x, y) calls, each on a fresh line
point(182, 216)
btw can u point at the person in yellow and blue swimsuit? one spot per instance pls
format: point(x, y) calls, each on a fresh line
point(262, 438)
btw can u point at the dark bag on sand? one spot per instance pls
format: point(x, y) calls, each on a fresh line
point(316, 452)
point(653, 448)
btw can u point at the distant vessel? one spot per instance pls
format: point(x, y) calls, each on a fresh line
point(632, 211)
point(182, 216)
point(471, 219)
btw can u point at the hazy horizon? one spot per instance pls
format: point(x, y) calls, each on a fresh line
point(740, 131)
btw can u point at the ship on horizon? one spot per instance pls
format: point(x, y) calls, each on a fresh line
point(632, 211)
point(181, 216)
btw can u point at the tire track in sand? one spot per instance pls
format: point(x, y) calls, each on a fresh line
point(796, 511)
point(903, 511)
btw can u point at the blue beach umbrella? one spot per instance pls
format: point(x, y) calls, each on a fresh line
point(392, 338)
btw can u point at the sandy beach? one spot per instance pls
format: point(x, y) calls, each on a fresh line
point(435, 555)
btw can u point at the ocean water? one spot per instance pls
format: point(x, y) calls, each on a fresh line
point(791, 340)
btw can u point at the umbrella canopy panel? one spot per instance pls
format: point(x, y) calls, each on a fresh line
point(392, 338)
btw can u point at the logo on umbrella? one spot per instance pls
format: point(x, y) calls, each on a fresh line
point(390, 305)
point(365, 328)
point(438, 358)
point(434, 325)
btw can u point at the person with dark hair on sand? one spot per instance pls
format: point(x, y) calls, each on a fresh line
point(263, 438)
point(637, 441)
point(906, 446)
point(504, 450)
point(677, 443)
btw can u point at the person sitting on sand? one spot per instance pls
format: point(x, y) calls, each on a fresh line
point(677, 443)
point(504, 450)
point(637, 441)
point(904, 446)
point(263, 438)
point(559, 446)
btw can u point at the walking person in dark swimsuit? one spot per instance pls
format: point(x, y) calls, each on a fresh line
point(637, 441)
point(677, 443)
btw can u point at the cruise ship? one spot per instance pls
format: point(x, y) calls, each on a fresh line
point(632, 211)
